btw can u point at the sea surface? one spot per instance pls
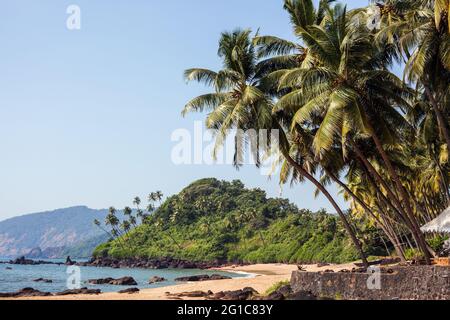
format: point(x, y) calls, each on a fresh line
point(22, 276)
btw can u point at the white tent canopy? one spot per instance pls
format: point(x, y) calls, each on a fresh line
point(441, 224)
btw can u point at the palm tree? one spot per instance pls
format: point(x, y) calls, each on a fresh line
point(99, 225)
point(343, 91)
point(112, 220)
point(159, 195)
point(423, 32)
point(239, 102)
point(150, 208)
point(137, 202)
point(127, 211)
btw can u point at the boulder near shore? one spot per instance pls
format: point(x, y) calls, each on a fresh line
point(125, 281)
point(156, 279)
point(202, 277)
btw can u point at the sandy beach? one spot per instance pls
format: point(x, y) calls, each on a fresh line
point(260, 277)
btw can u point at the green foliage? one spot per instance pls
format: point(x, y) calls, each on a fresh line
point(436, 242)
point(214, 220)
point(414, 253)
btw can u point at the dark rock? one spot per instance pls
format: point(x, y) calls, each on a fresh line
point(23, 261)
point(156, 279)
point(238, 295)
point(302, 296)
point(276, 296)
point(25, 292)
point(162, 263)
point(43, 280)
point(125, 281)
point(300, 268)
point(320, 265)
point(69, 261)
point(78, 291)
point(193, 294)
point(285, 290)
point(202, 277)
point(100, 281)
point(129, 291)
point(8, 268)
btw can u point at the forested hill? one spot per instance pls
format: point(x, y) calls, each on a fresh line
point(218, 220)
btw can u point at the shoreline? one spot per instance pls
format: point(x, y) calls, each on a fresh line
point(261, 278)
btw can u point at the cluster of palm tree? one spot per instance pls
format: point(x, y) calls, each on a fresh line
point(119, 229)
point(342, 116)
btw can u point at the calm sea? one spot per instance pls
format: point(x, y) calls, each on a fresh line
point(22, 276)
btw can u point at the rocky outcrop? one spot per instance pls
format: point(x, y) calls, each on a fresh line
point(23, 261)
point(238, 295)
point(191, 294)
point(202, 277)
point(69, 261)
point(129, 291)
point(144, 263)
point(125, 281)
point(156, 279)
point(43, 280)
point(30, 292)
point(25, 292)
point(78, 291)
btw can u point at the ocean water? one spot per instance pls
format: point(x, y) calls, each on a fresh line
point(22, 276)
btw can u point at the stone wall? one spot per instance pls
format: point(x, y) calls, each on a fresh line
point(404, 283)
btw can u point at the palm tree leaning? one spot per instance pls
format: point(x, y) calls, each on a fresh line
point(240, 102)
point(340, 88)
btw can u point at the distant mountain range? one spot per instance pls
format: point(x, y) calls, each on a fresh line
point(52, 234)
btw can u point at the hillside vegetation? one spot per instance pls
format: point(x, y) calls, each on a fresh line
point(217, 220)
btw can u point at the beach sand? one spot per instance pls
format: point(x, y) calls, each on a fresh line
point(260, 277)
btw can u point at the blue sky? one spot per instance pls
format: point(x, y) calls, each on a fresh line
point(86, 116)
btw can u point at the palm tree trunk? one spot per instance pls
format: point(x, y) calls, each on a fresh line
point(325, 192)
point(370, 213)
point(401, 190)
point(409, 221)
point(392, 198)
point(440, 118)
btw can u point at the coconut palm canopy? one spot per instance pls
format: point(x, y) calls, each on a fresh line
point(343, 116)
point(441, 224)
